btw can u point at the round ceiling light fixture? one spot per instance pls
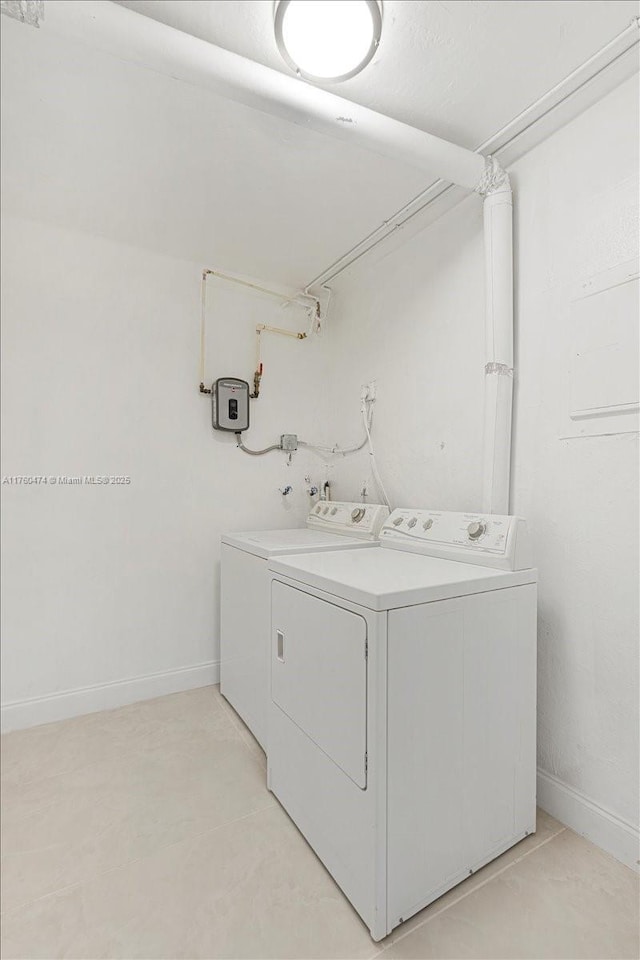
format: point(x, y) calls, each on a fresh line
point(328, 40)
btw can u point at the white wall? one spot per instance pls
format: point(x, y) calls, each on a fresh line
point(411, 317)
point(412, 320)
point(578, 219)
point(100, 374)
point(119, 185)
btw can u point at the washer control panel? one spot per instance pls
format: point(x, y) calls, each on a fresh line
point(486, 539)
point(363, 520)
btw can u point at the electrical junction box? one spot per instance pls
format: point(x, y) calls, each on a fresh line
point(230, 404)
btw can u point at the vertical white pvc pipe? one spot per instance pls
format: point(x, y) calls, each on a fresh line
point(498, 243)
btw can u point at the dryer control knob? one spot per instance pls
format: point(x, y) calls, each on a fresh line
point(412, 522)
point(427, 524)
point(357, 514)
point(475, 530)
point(397, 521)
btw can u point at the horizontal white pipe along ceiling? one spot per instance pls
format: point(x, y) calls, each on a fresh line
point(141, 40)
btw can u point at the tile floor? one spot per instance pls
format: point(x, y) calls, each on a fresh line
point(148, 831)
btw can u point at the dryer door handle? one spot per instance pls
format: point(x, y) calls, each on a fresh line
point(280, 645)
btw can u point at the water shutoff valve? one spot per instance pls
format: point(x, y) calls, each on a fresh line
point(289, 442)
point(312, 489)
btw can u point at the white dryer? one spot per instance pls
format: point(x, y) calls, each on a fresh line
point(246, 598)
point(403, 705)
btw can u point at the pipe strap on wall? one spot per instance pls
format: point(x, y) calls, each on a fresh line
point(501, 369)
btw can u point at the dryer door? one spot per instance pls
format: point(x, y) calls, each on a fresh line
point(319, 674)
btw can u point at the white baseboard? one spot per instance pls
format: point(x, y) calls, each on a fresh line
point(608, 831)
point(105, 696)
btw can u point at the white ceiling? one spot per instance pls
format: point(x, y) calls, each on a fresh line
point(97, 144)
point(460, 69)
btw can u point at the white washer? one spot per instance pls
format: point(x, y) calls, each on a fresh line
point(403, 704)
point(245, 595)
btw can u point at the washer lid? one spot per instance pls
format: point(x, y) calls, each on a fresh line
point(271, 543)
point(386, 579)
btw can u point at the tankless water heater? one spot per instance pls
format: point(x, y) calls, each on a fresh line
point(230, 404)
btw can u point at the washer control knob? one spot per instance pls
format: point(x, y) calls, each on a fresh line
point(476, 529)
point(334, 511)
point(412, 522)
point(427, 524)
point(397, 521)
point(325, 511)
point(318, 509)
point(357, 514)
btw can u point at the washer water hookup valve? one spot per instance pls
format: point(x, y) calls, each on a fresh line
point(312, 489)
point(285, 491)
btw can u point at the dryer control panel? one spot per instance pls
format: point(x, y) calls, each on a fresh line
point(362, 520)
point(486, 539)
